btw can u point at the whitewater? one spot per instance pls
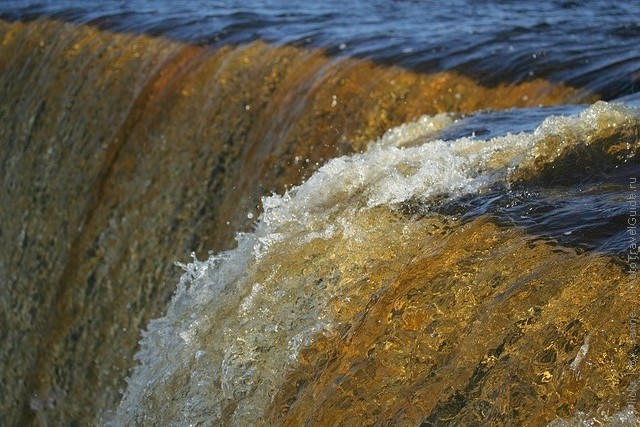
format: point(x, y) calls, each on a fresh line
point(240, 320)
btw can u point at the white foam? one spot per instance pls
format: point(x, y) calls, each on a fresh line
point(626, 417)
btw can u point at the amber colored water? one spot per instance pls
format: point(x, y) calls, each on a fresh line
point(123, 152)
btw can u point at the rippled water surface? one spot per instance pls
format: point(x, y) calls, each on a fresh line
point(595, 44)
point(582, 206)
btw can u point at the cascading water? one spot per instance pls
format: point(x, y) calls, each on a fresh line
point(241, 320)
point(475, 265)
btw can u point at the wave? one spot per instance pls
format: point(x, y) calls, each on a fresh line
point(327, 254)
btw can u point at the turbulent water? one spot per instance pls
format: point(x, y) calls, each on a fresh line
point(302, 273)
point(393, 220)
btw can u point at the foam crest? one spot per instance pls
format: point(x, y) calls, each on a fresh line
point(406, 164)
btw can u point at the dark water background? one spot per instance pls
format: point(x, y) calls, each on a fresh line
point(593, 44)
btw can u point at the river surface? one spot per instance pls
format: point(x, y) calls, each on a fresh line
point(592, 44)
point(337, 213)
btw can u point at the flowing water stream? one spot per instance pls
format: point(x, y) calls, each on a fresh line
point(397, 213)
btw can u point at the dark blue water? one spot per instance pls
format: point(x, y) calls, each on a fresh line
point(593, 44)
point(588, 215)
point(583, 208)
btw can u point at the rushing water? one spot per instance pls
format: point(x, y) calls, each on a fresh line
point(251, 311)
point(592, 44)
point(400, 213)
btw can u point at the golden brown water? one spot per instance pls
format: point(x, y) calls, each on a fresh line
point(121, 153)
point(486, 330)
